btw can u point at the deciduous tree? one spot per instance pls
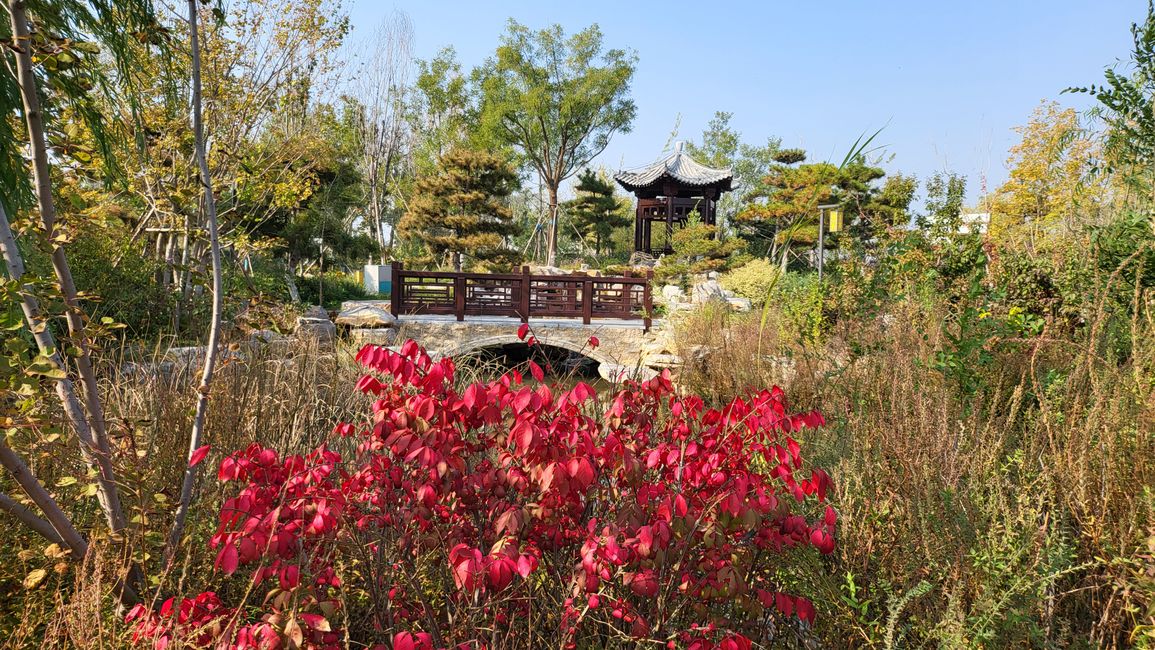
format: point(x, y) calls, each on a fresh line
point(1051, 182)
point(722, 146)
point(383, 84)
point(558, 100)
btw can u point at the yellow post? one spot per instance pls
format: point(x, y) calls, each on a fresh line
point(836, 221)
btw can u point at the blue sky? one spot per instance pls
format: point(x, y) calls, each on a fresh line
point(948, 80)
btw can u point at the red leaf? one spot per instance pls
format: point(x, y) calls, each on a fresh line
point(535, 370)
point(316, 622)
point(474, 395)
point(228, 558)
point(522, 331)
point(230, 469)
point(644, 583)
point(784, 603)
point(582, 471)
point(822, 540)
point(404, 641)
point(522, 434)
point(198, 455)
point(594, 342)
point(805, 609)
point(526, 565)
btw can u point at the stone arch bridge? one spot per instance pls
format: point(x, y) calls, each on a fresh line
point(625, 349)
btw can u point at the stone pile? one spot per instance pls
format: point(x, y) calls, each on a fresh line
point(705, 289)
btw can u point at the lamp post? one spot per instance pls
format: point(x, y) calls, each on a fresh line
point(822, 235)
point(320, 242)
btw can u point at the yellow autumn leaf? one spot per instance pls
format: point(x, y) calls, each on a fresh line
point(33, 579)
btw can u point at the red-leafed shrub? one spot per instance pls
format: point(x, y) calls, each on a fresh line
point(513, 513)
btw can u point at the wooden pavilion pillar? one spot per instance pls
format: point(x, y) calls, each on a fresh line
point(708, 215)
point(670, 192)
point(638, 242)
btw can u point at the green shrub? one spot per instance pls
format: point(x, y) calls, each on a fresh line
point(800, 300)
point(753, 280)
point(337, 288)
point(697, 249)
point(119, 280)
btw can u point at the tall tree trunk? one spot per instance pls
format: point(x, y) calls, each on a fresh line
point(551, 248)
point(210, 207)
point(94, 438)
point(373, 179)
point(182, 275)
point(169, 262)
point(393, 137)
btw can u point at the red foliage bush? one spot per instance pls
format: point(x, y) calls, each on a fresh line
point(514, 513)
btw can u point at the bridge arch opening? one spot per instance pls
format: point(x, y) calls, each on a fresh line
point(559, 358)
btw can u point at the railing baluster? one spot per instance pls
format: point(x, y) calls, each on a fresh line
point(396, 278)
point(524, 298)
point(647, 302)
point(587, 300)
point(459, 296)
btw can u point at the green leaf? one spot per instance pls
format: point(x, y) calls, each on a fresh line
point(45, 367)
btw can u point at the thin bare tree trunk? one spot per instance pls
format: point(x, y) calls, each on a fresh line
point(59, 522)
point(210, 206)
point(169, 262)
point(92, 432)
point(57, 519)
point(30, 519)
point(185, 274)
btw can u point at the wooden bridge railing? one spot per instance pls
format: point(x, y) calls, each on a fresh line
point(521, 295)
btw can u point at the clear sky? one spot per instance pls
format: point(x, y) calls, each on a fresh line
point(948, 80)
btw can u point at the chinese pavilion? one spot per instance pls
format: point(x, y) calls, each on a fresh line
point(668, 190)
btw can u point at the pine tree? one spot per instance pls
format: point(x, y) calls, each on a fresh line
point(462, 208)
point(596, 212)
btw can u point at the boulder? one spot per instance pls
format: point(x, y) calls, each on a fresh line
point(738, 303)
point(187, 356)
point(672, 293)
point(316, 312)
point(366, 314)
point(547, 270)
point(266, 337)
point(385, 336)
point(315, 325)
point(704, 292)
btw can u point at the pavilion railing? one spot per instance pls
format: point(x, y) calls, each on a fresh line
point(521, 295)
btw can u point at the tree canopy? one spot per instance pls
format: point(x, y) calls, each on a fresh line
point(558, 100)
point(596, 212)
point(461, 209)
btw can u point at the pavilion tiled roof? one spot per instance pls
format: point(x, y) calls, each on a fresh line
point(678, 166)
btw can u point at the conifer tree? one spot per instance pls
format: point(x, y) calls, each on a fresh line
point(596, 212)
point(462, 208)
